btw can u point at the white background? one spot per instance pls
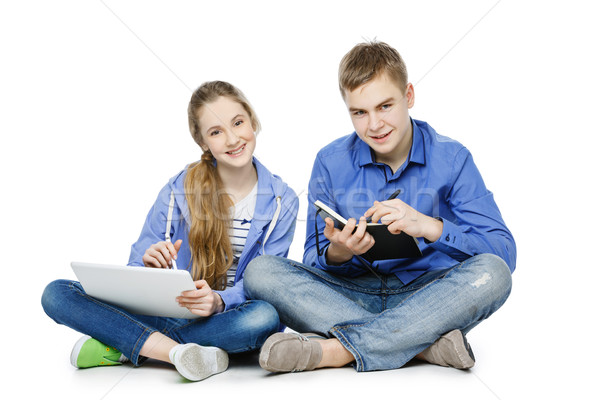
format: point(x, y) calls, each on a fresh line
point(93, 99)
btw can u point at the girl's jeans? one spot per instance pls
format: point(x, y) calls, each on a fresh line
point(383, 323)
point(243, 328)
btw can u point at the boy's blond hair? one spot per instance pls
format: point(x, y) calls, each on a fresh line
point(366, 61)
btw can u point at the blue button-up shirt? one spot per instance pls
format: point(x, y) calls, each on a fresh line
point(439, 179)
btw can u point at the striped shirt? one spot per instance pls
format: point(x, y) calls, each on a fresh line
point(242, 217)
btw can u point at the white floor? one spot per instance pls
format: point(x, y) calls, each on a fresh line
point(520, 354)
point(93, 123)
point(56, 378)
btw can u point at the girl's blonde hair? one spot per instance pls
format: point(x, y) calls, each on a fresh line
point(208, 204)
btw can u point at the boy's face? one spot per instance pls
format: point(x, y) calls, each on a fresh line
point(379, 113)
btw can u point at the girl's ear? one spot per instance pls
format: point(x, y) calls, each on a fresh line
point(203, 146)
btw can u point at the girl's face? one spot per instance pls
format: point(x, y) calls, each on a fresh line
point(227, 132)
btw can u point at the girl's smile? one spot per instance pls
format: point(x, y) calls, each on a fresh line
point(227, 132)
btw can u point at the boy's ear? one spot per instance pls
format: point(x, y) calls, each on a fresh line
point(410, 95)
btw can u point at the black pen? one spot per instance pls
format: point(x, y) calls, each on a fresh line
point(393, 196)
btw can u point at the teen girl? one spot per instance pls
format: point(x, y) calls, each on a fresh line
point(212, 218)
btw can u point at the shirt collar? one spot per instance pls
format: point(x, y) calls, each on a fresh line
point(417, 150)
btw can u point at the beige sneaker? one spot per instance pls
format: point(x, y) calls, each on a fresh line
point(290, 352)
point(450, 350)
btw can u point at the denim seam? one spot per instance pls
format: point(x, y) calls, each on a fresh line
point(339, 328)
point(360, 366)
point(337, 331)
point(140, 345)
point(107, 306)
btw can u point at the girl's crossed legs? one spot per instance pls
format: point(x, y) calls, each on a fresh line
point(243, 328)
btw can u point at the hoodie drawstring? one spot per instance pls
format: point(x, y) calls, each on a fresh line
point(170, 217)
point(269, 230)
point(273, 222)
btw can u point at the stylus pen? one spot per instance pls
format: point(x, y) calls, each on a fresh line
point(393, 196)
point(168, 228)
point(173, 263)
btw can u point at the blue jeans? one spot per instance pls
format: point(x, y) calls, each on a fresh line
point(383, 323)
point(240, 329)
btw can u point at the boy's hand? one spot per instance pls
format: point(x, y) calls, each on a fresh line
point(161, 254)
point(203, 301)
point(345, 244)
point(400, 217)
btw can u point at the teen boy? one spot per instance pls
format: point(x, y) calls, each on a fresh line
point(382, 315)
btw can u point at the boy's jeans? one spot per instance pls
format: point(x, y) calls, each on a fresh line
point(384, 325)
point(243, 328)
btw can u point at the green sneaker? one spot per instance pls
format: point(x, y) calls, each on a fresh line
point(89, 352)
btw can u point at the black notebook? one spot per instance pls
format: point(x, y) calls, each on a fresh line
point(388, 246)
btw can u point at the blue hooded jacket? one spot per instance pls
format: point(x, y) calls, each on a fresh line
point(271, 229)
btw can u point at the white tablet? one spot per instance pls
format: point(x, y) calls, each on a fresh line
point(139, 290)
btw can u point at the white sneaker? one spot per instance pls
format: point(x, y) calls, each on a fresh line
point(195, 362)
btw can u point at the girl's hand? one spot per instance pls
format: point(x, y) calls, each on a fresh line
point(161, 254)
point(400, 217)
point(346, 243)
point(203, 301)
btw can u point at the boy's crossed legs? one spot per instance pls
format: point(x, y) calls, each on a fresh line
point(378, 325)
